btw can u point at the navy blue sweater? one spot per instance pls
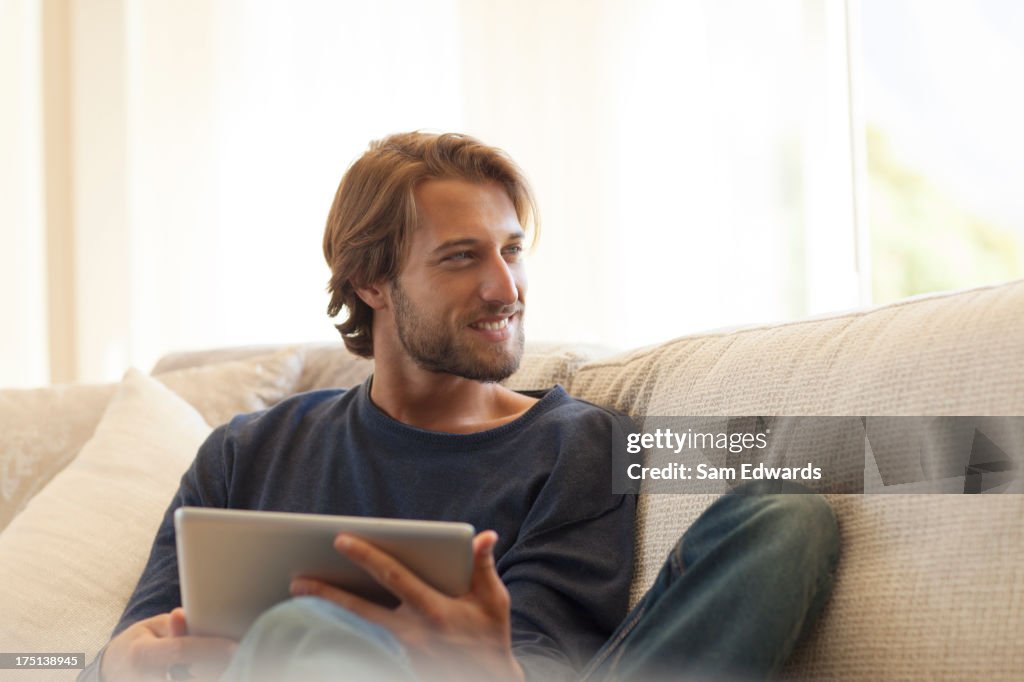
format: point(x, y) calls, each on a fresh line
point(543, 482)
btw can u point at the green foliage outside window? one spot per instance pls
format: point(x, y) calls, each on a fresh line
point(922, 239)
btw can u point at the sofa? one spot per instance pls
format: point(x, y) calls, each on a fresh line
point(929, 586)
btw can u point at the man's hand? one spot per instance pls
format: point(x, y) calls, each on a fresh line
point(158, 648)
point(450, 638)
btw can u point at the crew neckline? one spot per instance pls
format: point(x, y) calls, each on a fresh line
point(548, 399)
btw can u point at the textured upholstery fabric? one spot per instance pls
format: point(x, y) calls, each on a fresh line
point(330, 365)
point(929, 586)
point(41, 430)
point(318, 361)
point(950, 354)
point(69, 561)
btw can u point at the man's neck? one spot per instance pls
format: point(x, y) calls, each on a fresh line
point(443, 402)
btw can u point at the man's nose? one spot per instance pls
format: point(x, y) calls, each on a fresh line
point(499, 284)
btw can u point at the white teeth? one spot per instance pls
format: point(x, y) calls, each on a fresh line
point(492, 326)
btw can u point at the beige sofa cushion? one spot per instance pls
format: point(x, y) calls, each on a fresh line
point(70, 560)
point(330, 365)
point(930, 586)
point(950, 354)
point(41, 430)
point(543, 365)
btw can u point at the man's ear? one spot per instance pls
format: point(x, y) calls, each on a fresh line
point(374, 295)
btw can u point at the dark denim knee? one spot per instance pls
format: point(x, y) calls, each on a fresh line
point(802, 524)
point(798, 524)
point(782, 518)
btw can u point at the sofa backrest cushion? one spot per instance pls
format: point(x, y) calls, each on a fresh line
point(42, 430)
point(330, 365)
point(918, 571)
point(949, 354)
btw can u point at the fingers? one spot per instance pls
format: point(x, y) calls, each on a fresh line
point(430, 606)
point(483, 548)
point(158, 626)
point(311, 587)
point(151, 646)
point(205, 656)
point(391, 574)
point(484, 570)
point(167, 624)
point(486, 583)
point(177, 623)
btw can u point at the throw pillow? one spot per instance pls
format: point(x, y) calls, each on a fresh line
point(69, 561)
point(41, 430)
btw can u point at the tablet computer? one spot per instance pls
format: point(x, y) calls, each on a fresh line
point(235, 564)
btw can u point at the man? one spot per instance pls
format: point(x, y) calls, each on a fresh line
point(425, 242)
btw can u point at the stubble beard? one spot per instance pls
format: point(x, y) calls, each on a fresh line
point(436, 349)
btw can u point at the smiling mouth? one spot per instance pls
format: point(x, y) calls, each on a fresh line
point(492, 326)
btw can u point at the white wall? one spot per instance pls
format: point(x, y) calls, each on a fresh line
point(691, 159)
point(103, 232)
point(23, 337)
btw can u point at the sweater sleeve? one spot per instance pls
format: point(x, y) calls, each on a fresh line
point(569, 572)
point(570, 587)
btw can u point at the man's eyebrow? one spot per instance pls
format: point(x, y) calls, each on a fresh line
point(472, 241)
point(453, 243)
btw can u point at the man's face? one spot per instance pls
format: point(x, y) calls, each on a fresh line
point(458, 301)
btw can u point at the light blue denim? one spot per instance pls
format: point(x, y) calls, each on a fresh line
point(738, 590)
point(308, 639)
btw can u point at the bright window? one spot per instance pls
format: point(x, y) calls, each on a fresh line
point(944, 107)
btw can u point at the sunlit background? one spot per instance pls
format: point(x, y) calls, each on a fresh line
point(167, 166)
point(945, 143)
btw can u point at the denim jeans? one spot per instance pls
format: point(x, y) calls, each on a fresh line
point(741, 586)
point(737, 591)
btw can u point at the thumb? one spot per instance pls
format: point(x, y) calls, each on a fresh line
point(485, 574)
point(178, 626)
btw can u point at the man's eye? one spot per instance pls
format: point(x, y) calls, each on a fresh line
point(461, 255)
point(515, 250)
